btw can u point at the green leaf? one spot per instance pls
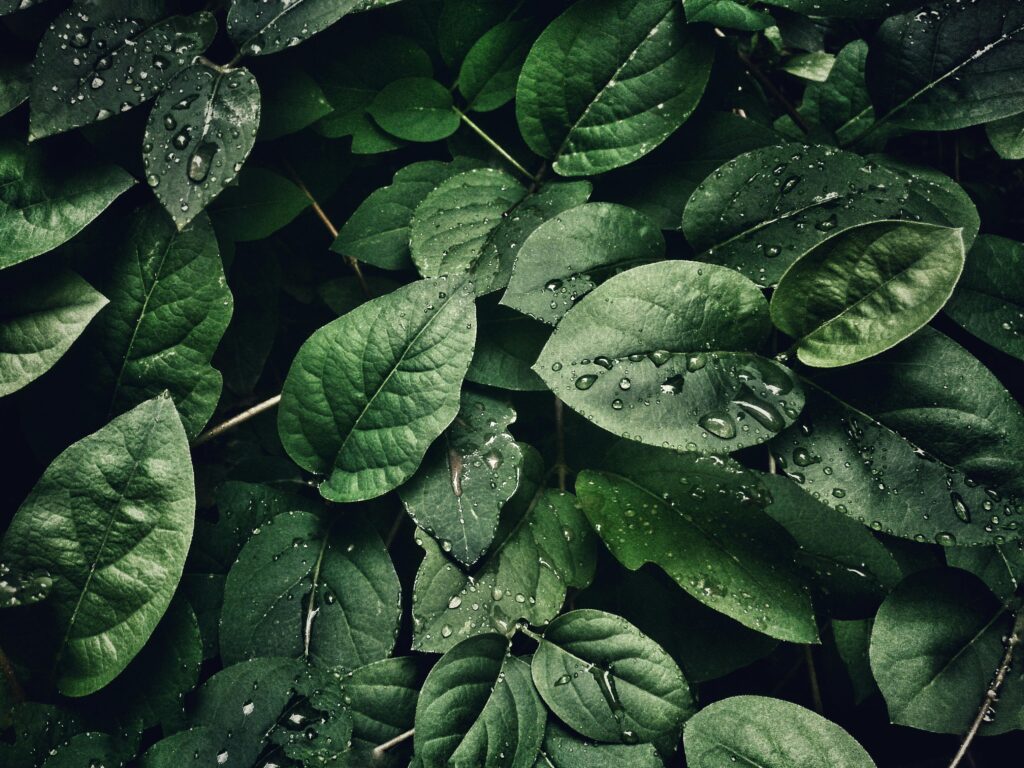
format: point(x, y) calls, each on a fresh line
point(478, 707)
point(382, 699)
point(315, 729)
point(727, 13)
point(989, 299)
point(259, 28)
point(43, 314)
point(868, 9)
point(461, 23)
point(169, 308)
point(261, 203)
point(723, 549)
point(453, 223)
point(866, 289)
point(852, 639)
point(609, 681)
point(415, 109)
point(94, 62)
point(45, 200)
point(37, 728)
point(378, 232)
point(202, 742)
point(562, 259)
point(507, 346)
point(487, 79)
point(757, 730)
point(90, 748)
point(369, 392)
point(18, 588)
point(15, 81)
point(311, 587)
point(937, 641)
point(198, 135)
point(563, 750)
point(291, 97)
point(1001, 567)
point(593, 102)
point(1007, 137)
point(544, 545)
point(466, 478)
point(970, 75)
point(662, 353)
point(133, 477)
point(943, 442)
point(851, 569)
point(814, 66)
point(763, 210)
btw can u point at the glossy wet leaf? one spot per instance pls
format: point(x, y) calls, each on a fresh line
point(95, 62)
point(315, 729)
point(478, 706)
point(133, 479)
point(757, 730)
point(561, 749)
point(19, 587)
point(543, 546)
point(664, 353)
point(866, 289)
point(950, 65)
point(314, 587)
point(562, 260)
point(43, 314)
point(989, 299)
point(487, 78)
point(702, 521)
point(610, 682)
point(382, 700)
point(415, 109)
point(37, 729)
point(369, 392)
point(453, 223)
point(910, 452)
point(937, 641)
point(259, 27)
point(593, 102)
point(763, 210)
point(198, 136)
point(466, 478)
point(46, 200)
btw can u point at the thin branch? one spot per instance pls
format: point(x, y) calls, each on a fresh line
point(493, 144)
point(812, 678)
point(560, 443)
point(234, 421)
point(333, 230)
point(395, 527)
point(17, 692)
point(774, 92)
point(380, 749)
point(988, 703)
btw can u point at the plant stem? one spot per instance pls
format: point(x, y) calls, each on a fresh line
point(992, 694)
point(395, 527)
point(560, 442)
point(493, 144)
point(234, 421)
point(812, 677)
point(17, 692)
point(333, 230)
point(380, 749)
point(774, 92)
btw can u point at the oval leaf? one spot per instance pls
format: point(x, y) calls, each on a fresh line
point(415, 109)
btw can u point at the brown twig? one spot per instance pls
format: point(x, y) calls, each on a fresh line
point(560, 443)
point(234, 421)
point(380, 749)
point(812, 678)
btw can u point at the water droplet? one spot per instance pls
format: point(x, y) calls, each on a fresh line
point(720, 425)
point(960, 507)
point(199, 163)
point(586, 381)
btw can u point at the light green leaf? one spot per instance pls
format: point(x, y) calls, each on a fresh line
point(117, 503)
point(46, 200)
point(610, 682)
point(200, 132)
point(43, 314)
point(937, 641)
point(453, 223)
point(866, 289)
point(369, 392)
point(478, 707)
point(487, 79)
point(563, 258)
point(261, 203)
point(971, 76)
point(382, 700)
point(415, 109)
point(466, 478)
point(943, 439)
point(733, 14)
point(663, 353)
point(94, 62)
point(768, 733)
point(311, 587)
point(1007, 137)
point(722, 548)
point(814, 66)
point(543, 546)
point(989, 299)
point(259, 27)
point(508, 345)
point(169, 308)
point(593, 102)
point(563, 750)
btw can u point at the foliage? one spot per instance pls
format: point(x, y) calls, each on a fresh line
point(511, 383)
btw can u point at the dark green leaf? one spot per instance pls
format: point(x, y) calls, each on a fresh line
point(1001, 567)
point(727, 13)
point(291, 97)
point(259, 205)
point(415, 109)
point(1007, 137)
point(37, 728)
point(489, 72)
point(508, 345)
point(563, 750)
point(382, 700)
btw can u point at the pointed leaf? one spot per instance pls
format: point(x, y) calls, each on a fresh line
point(117, 503)
point(369, 392)
point(487, 79)
point(415, 109)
